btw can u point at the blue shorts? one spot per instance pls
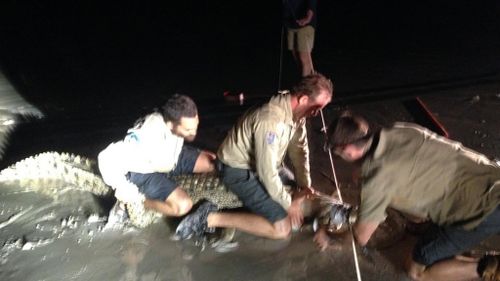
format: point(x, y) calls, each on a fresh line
point(158, 186)
point(252, 192)
point(439, 243)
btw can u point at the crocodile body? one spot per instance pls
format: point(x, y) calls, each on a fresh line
point(51, 172)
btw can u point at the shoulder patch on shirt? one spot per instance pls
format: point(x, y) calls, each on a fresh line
point(270, 137)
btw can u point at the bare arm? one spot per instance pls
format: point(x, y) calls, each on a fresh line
point(322, 239)
point(307, 19)
point(205, 162)
point(363, 231)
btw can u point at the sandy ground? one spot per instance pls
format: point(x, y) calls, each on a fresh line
point(64, 238)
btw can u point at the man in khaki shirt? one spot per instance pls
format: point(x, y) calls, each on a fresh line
point(417, 172)
point(250, 160)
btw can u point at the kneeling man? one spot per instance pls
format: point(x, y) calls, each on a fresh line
point(417, 172)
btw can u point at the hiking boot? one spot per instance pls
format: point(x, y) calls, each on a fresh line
point(223, 242)
point(491, 267)
point(195, 224)
point(225, 246)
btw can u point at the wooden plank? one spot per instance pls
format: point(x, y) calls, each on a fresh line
point(424, 117)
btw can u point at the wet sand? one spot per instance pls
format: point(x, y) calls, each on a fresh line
point(59, 239)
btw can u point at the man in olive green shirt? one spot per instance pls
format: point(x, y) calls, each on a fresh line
point(417, 172)
point(251, 157)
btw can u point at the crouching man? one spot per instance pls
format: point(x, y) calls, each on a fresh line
point(413, 170)
point(139, 167)
point(250, 160)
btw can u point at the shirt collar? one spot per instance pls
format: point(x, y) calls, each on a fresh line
point(283, 101)
point(381, 144)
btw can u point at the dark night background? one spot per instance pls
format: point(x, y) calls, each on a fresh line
point(93, 67)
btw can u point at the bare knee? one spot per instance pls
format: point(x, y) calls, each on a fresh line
point(183, 206)
point(416, 271)
point(282, 235)
point(178, 203)
point(416, 276)
point(422, 276)
point(177, 208)
point(282, 229)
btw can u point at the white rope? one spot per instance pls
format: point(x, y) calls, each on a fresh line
point(355, 254)
point(281, 58)
point(331, 159)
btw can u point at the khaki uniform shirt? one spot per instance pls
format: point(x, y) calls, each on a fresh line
point(259, 142)
point(420, 173)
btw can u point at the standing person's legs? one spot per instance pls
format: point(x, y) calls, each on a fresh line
point(433, 257)
point(302, 48)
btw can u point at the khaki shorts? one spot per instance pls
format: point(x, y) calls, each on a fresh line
point(301, 39)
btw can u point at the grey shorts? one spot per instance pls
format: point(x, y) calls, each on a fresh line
point(158, 186)
point(251, 192)
point(439, 243)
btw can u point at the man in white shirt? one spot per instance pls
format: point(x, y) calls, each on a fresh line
point(140, 166)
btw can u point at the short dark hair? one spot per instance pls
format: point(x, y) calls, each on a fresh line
point(311, 85)
point(347, 129)
point(179, 106)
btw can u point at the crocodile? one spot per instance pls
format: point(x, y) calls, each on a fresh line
point(50, 173)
